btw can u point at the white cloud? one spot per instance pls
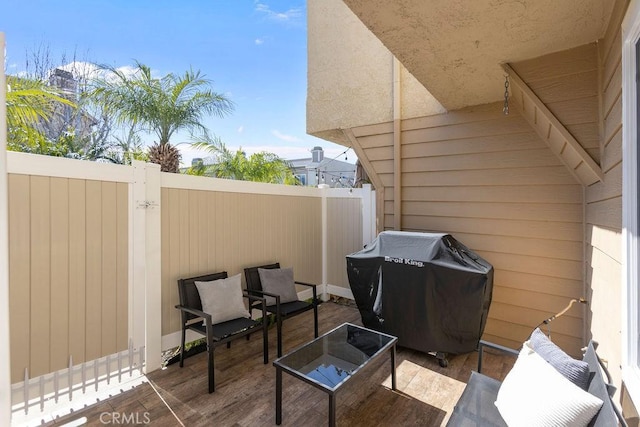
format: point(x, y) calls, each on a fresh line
point(241, 129)
point(81, 69)
point(130, 70)
point(284, 137)
point(189, 153)
point(259, 41)
point(291, 15)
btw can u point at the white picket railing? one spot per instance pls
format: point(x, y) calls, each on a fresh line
point(56, 393)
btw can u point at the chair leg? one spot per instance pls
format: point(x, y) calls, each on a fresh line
point(210, 364)
point(250, 317)
point(265, 341)
point(279, 322)
point(315, 318)
point(184, 332)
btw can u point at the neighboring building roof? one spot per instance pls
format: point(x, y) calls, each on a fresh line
point(327, 171)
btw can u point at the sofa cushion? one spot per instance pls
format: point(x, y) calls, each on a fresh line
point(534, 393)
point(576, 371)
point(476, 405)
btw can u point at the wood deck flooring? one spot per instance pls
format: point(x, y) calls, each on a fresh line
point(245, 387)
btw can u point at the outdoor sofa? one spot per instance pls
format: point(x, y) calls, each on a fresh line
point(478, 404)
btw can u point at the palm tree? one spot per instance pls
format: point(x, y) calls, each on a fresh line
point(125, 148)
point(29, 103)
point(161, 106)
point(259, 167)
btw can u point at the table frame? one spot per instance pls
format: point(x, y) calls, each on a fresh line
point(332, 392)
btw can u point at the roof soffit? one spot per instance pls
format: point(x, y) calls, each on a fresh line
point(455, 48)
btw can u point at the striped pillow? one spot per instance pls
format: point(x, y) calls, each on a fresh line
point(576, 371)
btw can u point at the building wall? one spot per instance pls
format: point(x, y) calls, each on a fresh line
point(346, 58)
point(496, 187)
point(583, 88)
point(492, 183)
point(603, 204)
point(567, 83)
point(68, 271)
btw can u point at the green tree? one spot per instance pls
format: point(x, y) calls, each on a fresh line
point(127, 147)
point(160, 106)
point(29, 103)
point(259, 167)
point(81, 131)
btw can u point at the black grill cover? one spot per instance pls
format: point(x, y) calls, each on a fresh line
point(427, 289)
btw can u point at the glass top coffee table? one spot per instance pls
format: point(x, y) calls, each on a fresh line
point(330, 360)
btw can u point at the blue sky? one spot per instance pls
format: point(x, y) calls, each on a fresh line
point(253, 51)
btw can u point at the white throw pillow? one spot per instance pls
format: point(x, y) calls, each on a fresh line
point(534, 394)
point(222, 299)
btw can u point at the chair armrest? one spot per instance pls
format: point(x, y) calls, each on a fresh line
point(305, 284)
point(253, 297)
point(494, 346)
point(206, 316)
point(276, 296)
point(193, 311)
point(269, 294)
point(313, 288)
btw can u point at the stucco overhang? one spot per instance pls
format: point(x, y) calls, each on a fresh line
point(455, 48)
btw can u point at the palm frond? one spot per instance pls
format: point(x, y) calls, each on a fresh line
point(29, 101)
point(163, 105)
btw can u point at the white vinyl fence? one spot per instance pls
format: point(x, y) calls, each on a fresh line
point(95, 250)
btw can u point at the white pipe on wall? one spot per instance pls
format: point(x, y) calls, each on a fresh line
point(397, 145)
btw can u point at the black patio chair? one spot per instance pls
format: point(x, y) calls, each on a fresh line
point(282, 311)
point(216, 334)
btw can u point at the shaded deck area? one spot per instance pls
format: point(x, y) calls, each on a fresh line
point(245, 387)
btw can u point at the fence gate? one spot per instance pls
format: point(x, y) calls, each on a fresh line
point(80, 295)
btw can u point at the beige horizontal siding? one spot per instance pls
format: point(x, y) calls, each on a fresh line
point(492, 183)
point(209, 231)
point(603, 205)
point(68, 271)
point(567, 83)
point(500, 227)
point(495, 194)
